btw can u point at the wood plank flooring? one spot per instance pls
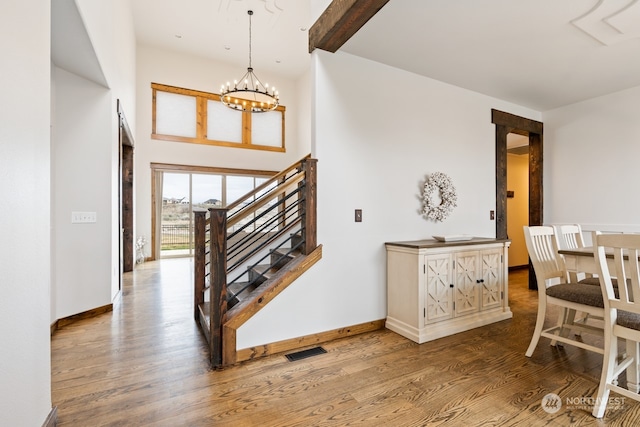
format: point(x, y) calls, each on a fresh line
point(145, 364)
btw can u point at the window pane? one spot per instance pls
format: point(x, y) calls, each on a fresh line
point(266, 129)
point(259, 182)
point(175, 114)
point(269, 210)
point(207, 190)
point(223, 123)
point(238, 186)
point(175, 214)
point(175, 188)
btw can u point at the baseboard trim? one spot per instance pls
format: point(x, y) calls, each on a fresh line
point(53, 327)
point(84, 315)
point(52, 418)
point(308, 340)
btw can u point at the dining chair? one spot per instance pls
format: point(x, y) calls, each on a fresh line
point(622, 315)
point(554, 290)
point(570, 237)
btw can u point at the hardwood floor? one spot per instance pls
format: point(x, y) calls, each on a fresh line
point(145, 363)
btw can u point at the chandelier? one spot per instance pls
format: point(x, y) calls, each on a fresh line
point(249, 93)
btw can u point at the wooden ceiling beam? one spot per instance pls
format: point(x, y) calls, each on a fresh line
point(341, 20)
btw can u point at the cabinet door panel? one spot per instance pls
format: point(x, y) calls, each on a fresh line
point(491, 265)
point(467, 284)
point(439, 301)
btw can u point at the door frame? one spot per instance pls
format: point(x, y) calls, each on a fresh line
point(507, 123)
point(125, 196)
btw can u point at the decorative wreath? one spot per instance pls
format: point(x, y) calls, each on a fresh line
point(440, 182)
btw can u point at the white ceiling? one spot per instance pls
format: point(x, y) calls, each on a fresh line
point(527, 52)
point(541, 54)
point(219, 29)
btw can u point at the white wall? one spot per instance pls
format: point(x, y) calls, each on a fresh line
point(25, 370)
point(81, 174)
point(85, 162)
point(375, 146)
point(110, 27)
point(591, 152)
point(175, 69)
point(303, 113)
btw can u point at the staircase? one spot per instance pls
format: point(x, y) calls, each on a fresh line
point(248, 252)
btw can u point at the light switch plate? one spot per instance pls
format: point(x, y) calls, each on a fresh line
point(83, 217)
point(358, 215)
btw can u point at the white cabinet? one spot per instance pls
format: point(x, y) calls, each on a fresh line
point(436, 288)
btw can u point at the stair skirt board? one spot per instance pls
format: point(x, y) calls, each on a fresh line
point(303, 354)
point(308, 340)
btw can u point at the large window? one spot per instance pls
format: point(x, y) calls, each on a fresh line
point(187, 115)
point(178, 189)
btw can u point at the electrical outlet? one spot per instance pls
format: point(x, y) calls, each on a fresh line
point(358, 215)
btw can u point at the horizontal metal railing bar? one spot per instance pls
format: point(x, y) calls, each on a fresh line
point(250, 208)
point(253, 237)
point(280, 218)
point(280, 201)
point(268, 254)
point(276, 205)
point(251, 243)
point(257, 247)
point(285, 231)
point(291, 250)
point(265, 243)
point(297, 165)
point(261, 275)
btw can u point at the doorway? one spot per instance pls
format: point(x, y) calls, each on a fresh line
point(507, 123)
point(127, 252)
point(517, 199)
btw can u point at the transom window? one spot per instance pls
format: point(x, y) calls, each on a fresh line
point(187, 115)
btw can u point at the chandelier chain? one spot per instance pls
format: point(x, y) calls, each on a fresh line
point(250, 12)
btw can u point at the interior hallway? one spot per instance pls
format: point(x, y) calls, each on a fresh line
point(146, 363)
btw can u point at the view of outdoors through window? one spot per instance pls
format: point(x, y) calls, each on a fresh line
point(182, 192)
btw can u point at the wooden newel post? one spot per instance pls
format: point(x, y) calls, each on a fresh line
point(309, 212)
point(218, 277)
point(199, 261)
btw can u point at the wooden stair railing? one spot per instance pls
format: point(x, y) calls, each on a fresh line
point(249, 251)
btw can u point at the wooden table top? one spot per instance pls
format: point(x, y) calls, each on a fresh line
point(586, 251)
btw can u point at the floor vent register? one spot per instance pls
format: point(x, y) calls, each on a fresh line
point(298, 355)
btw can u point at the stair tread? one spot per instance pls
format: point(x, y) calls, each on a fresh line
point(264, 269)
point(236, 287)
point(204, 312)
point(286, 252)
